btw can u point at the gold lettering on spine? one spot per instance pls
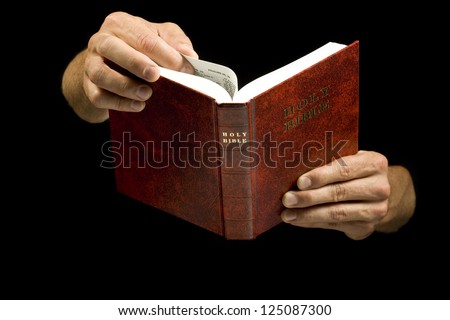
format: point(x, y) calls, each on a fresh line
point(234, 137)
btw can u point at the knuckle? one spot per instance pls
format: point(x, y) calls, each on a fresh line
point(171, 25)
point(375, 211)
point(337, 213)
point(101, 43)
point(132, 62)
point(380, 162)
point(95, 72)
point(147, 42)
point(344, 171)
point(123, 85)
point(338, 192)
point(114, 18)
point(116, 105)
point(381, 190)
point(380, 210)
point(96, 98)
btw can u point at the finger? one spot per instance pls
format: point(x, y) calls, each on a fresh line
point(359, 233)
point(363, 164)
point(332, 215)
point(117, 51)
point(372, 188)
point(104, 99)
point(113, 81)
point(354, 229)
point(176, 38)
point(144, 37)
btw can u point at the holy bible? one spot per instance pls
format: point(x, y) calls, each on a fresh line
point(222, 158)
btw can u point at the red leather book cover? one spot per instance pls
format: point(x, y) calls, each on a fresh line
point(226, 166)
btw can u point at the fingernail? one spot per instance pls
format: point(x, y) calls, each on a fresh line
point(144, 92)
point(137, 105)
point(289, 199)
point(151, 73)
point(304, 183)
point(289, 216)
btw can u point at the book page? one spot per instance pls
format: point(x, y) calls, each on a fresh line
point(220, 74)
point(220, 82)
point(203, 85)
point(271, 79)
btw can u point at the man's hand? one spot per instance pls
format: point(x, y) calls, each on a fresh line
point(353, 195)
point(120, 62)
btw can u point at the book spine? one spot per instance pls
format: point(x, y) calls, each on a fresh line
point(237, 202)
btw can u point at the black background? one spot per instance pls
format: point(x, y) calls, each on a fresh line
point(66, 233)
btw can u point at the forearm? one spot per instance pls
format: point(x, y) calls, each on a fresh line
point(72, 89)
point(402, 200)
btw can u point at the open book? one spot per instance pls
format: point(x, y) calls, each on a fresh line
point(221, 82)
point(222, 158)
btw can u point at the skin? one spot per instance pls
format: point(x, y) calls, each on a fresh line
point(122, 59)
point(363, 196)
point(96, 80)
